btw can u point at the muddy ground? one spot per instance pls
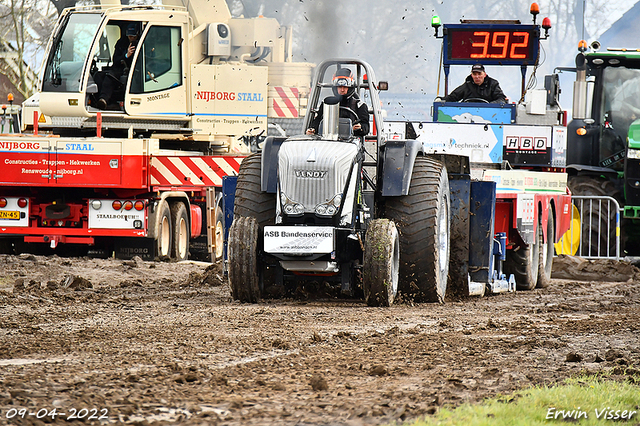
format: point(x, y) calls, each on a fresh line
point(154, 342)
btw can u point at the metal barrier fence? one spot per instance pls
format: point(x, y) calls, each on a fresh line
point(596, 219)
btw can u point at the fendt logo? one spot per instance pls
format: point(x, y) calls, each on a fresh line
point(311, 174)
point(526, 143)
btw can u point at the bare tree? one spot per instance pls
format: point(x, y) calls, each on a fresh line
point(26, 26)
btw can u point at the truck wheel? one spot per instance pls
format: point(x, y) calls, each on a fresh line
point(219, 234)
point(598, 224)
point(381, 263)
point(244, 278)
point(523, 264)
point(546, 252)
point(250, 201)
point(422, 218)
point(181, 231)
point(163, 230)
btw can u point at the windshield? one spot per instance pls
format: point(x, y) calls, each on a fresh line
point(620, 108)
point(69, 53)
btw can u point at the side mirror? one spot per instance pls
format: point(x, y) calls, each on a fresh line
point(383, 85)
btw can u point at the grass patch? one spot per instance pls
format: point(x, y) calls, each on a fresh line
point(586, 400)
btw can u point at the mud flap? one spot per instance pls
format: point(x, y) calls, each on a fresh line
point(127, 248)
point(459, 187)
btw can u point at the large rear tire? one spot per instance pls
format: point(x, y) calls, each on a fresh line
point(181, 231)
point(250, 200)
point(545, 263)
point(163, 230)
point(422, 218)
point(250, 203)
point(381, 263)
point(243, 260)
point(598, 236)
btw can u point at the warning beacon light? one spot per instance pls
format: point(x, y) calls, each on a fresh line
point(546, 24)
point(435, 23)
point(582, 46)
point(534, 10)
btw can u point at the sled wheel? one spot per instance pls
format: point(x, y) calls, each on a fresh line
point(546, 253)
point(381, 263)
point(243, 259)
point(181, 231)
point(523, 264)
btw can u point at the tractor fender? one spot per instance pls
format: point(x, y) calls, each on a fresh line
point(269, 165)
point(397, 166)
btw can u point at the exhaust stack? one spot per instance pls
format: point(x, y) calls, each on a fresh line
point(331, 118)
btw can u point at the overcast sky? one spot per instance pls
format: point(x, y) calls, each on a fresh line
point(396, 37)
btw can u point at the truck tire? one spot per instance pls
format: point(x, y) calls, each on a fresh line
point(381, 263)
point(181, 231)
point(546, 252)
point(244, 277)
point(250, 200)
point(219, 234)
point(524, 263)
point(163, 231)
point(595, 220)
point(422, 218)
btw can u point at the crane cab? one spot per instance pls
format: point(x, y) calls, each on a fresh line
point(81, 59)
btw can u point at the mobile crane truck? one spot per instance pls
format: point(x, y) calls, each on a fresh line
point(379, 216)
point(143, 175)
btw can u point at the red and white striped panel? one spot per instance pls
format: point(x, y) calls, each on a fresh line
point(193, 171)
point(285, 104)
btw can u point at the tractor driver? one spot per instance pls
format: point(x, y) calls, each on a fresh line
point(109, 81)
point(350, 104)
point(478, 85)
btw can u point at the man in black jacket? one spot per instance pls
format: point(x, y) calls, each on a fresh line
point(478, 85)
point(123, 52)
point(350, 104)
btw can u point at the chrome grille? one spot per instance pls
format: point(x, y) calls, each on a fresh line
point(312, 182)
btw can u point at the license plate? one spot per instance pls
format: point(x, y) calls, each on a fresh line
point(298, 239)
point(11, 215)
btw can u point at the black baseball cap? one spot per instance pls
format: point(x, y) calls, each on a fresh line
point(132, 30)
point(477, 67)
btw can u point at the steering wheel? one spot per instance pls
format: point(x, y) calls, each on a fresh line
point(475, 100)
point(351, 112)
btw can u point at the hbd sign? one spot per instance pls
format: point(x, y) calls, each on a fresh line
point(526, 143)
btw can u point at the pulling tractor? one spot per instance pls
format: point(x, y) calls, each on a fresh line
point(369, 216)
point(473, 203)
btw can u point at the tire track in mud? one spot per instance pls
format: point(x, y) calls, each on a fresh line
point(164, 343)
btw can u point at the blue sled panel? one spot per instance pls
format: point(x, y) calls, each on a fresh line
point(459, 187)
point(481, 227)
point(228, 198)
point(463, 112)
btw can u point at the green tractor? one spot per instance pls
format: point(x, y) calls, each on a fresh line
point(603, 150)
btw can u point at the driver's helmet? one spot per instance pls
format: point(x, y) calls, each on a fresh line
point(343, 78)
